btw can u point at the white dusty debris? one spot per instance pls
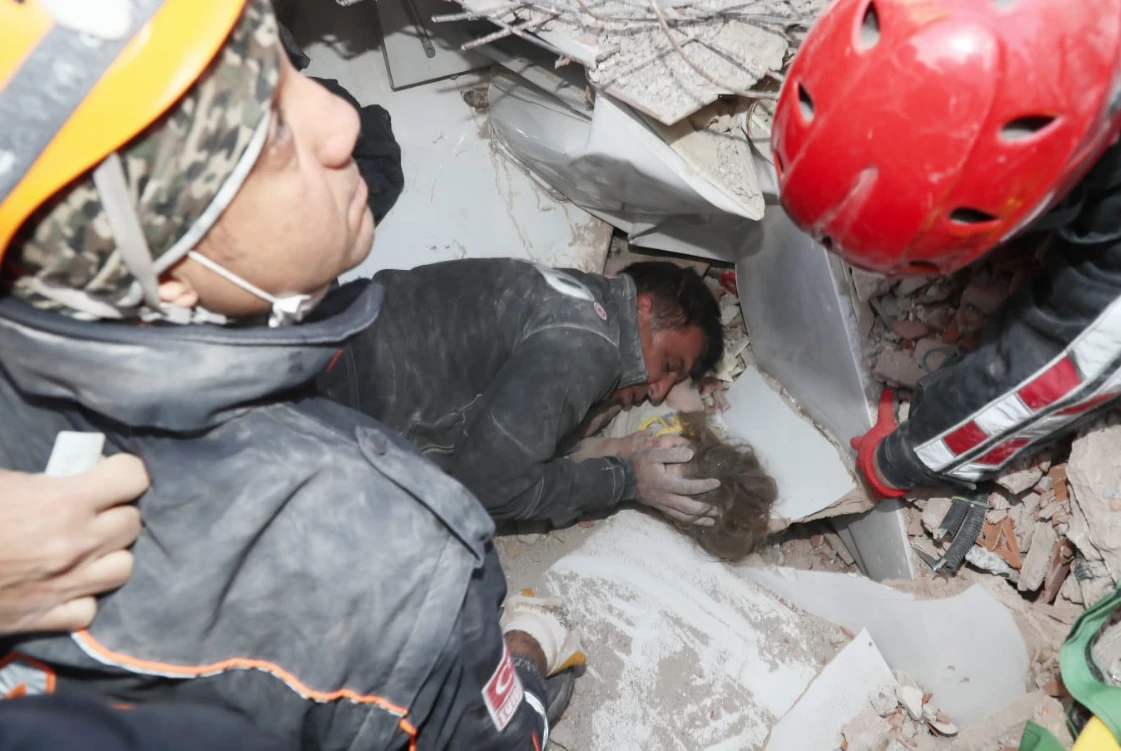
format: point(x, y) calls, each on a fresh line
point(682, 652)
point(666, 58)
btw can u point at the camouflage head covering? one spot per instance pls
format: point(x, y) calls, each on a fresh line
point(174, 171)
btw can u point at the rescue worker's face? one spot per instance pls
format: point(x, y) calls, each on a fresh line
point(669, 353)
point(299, 220)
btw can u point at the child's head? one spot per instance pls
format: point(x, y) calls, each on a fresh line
point(745, 496)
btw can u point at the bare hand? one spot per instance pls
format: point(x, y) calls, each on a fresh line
point(64, 540)
point(667, 493)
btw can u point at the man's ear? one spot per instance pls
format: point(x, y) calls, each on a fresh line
point(645, 304)
point(178, 292)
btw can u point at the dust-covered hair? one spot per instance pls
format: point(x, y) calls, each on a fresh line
point(744, 499)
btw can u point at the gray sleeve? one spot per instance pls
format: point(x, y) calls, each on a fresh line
point(507, 453)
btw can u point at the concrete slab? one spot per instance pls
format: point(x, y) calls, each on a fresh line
point(807, 467)
point(842, 691)
point(966, 649)
point(463, 198)
point(682, 652)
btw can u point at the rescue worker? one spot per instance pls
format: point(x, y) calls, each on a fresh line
point(174, 199)
point(491, 366)
point(913, 137)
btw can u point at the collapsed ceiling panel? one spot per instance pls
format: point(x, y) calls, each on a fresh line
point(666, 58)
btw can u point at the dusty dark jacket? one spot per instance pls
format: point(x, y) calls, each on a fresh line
point(1048, 360)
point(299, 563)
point(489, 366)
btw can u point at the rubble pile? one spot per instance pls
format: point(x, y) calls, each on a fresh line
point(1052, 532)
point(914, 326)
point(901, 717)
point(1025, 534)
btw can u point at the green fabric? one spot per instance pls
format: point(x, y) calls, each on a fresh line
point(1036, 738)
point(1081, 673)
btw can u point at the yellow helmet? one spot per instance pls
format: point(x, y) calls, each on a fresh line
point(81, 78)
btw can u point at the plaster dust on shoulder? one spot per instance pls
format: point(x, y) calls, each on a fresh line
point(682, 652)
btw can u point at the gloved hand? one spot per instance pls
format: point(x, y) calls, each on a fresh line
point(867, 444)
point(546, 620)
point(660, 490)
point(628, 446)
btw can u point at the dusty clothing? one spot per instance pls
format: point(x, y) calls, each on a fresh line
point(489, 367)
point(75, 723)
point(299, 563)
point(1048, 360)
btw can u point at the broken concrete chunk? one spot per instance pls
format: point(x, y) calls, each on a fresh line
point(884, 703)
point(869, 285)
point(987, 560)
point(934, 512)
point(910, 698)
point(1038, 560)
point(898, 368)
point(866, 732)
point(910, 286)
point(943, 726)
point(910, 330)
point(1071, 591)
point(1095, 476)
point(1018, 480)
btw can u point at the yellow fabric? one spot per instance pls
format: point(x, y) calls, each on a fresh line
point(154, 70)
point(1096, 737)
point(668, 424)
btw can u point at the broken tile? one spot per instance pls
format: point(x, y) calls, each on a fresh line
point(1038, 560)
point(1020, 479)
point(996, 515)
point(910, 330)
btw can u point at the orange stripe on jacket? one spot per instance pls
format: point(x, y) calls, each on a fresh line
point(100, 651)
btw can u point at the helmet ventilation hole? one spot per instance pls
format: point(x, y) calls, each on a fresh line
point(870, 27)
point(1024, 127)
point(967, 215)
point(805, 103)
point(826, 242)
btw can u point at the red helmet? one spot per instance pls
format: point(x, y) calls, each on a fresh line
point(912, 136)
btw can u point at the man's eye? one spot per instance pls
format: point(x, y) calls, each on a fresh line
point(279, 128)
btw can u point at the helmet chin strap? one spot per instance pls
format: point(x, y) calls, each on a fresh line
point(112, 187)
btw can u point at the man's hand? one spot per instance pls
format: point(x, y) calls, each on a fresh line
point(867, 444)
point(659, 489)
point(64, 540)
